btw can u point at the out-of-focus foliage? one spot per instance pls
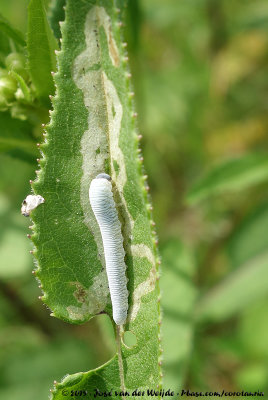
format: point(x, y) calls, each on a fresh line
point(200, 71)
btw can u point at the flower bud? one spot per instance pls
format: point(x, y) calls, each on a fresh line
point(16, 62)
point(8, 87)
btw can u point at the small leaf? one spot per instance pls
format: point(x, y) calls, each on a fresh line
point(11, 32)
point(13, 263)
point(250, 238)
point(4, 48)
point(16, 138)
point(179, 295)
point(41, 46)
point(56, 15)
point(243, 286)
point(231, 176)
point(247, 250)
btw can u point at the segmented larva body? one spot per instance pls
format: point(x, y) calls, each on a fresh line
point(103, 206)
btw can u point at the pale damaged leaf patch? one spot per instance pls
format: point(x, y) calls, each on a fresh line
point(93, 299)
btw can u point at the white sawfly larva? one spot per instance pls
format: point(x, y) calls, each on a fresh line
point(103, 206)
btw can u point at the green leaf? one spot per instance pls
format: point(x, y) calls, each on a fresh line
point(232, 176)
point(247, 250)
point(41, 46)
point(13, 264)
point(4, 48)
point(254, 341)
point(11, 32)
point(250, 238)
point(16, 138)
point(179, 295)
point(56, 15)
point(241, 288)
point(251, 376)
point(92, 130)
point(26, 361)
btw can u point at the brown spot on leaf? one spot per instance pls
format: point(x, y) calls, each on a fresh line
point(80, 294)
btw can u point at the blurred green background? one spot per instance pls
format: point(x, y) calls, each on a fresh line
point(200, 77)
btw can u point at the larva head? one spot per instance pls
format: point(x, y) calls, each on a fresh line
point(104, 176)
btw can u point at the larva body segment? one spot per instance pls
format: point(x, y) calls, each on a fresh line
point(103, 206)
